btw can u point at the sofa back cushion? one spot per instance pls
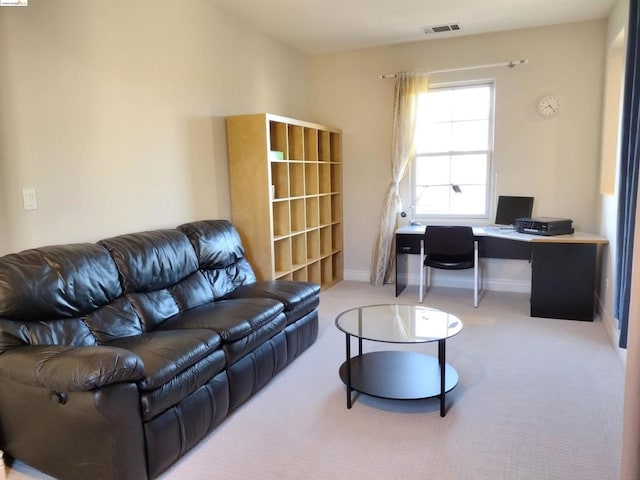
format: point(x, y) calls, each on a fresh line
point(48, 293)
point(220, 254)
point(159, 274)
point(91, 294)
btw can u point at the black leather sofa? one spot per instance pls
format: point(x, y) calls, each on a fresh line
point(116, 358)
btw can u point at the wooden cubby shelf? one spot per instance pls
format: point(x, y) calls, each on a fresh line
point(286, 196)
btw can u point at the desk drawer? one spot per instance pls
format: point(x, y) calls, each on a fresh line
point(492, 247)
point(408, 243)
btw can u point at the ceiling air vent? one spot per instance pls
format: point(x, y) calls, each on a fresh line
point(450, 27)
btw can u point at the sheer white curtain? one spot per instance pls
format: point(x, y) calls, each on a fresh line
point(407, 89)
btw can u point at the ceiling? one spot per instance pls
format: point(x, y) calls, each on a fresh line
point(324, 26)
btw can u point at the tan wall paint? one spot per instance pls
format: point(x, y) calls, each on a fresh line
point(610, 161)
point(556, 160)
point(614, 83)
point(114, 111)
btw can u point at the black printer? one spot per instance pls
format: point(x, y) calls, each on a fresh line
point(544, 226)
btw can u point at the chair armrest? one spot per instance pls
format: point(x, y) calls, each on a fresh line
point(63, 368)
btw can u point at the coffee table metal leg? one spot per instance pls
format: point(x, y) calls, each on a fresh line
point(348, 348)
point(442, 356)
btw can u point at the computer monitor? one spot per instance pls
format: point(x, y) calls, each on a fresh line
point(510, 208)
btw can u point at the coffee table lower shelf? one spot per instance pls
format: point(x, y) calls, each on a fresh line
point(398, 375)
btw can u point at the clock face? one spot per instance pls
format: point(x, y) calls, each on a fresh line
point(548, 105)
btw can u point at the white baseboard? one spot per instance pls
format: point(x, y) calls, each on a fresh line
point(357, 275)
point(610, 325)
point(444, 280)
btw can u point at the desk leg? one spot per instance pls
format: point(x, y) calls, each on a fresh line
point(402, 272)
point(442, 360)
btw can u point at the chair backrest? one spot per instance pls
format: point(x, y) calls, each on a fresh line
point(448, 240)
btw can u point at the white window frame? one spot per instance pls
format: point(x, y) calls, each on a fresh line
point(488, 181)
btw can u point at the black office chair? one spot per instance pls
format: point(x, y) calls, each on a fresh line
point(449, 248)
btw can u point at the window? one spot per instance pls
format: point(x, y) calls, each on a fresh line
point(454, 130)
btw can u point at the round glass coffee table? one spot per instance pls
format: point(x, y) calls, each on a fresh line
point(398, 374)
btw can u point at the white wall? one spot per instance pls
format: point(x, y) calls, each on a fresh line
point(612, 111)
point(554, 159)
point(114, 111)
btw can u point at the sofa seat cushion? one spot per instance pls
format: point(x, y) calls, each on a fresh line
point(176, 364)
point(299, 298)
point(166, 396)
point(244, 323)
point(166, 354)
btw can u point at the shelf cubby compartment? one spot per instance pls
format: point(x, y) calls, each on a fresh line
point(325, 209)
point(314, 272)
point(281, 224)
point(298, 251)
point(336, 237)
point(296, 179)
point(324, 146)
point(312, 216)
point(311, 144)
point(282, 256)
point(326, 244)
point(280, 179)
point(283, 276)
point(299, 275)
point(338, 266)
point(326, 272)
point(336, 177)
point(336, 147)
point(296, 142)
point(298, 215)
point(278, 136)
point(336, 207)
point(313, 245)
point(324, 177)
point(311, 178)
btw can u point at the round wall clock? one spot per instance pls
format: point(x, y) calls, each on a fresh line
point(548, 105)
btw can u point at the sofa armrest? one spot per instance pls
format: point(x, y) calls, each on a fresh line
point(62, 368)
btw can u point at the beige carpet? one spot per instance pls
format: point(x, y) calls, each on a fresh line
point(538, 399)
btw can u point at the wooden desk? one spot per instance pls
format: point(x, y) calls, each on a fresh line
point(564, 268)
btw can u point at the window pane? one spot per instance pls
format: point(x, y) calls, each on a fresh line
point(472, 103)
point(470, 201)
point(450, 122)
point(437, 137)
point(472, 135)
point(435, 106)
point(435, 177)
point(432, 171)
point(469, 169)
point(434, 200)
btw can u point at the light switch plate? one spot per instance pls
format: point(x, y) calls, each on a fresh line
point(29, 198)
